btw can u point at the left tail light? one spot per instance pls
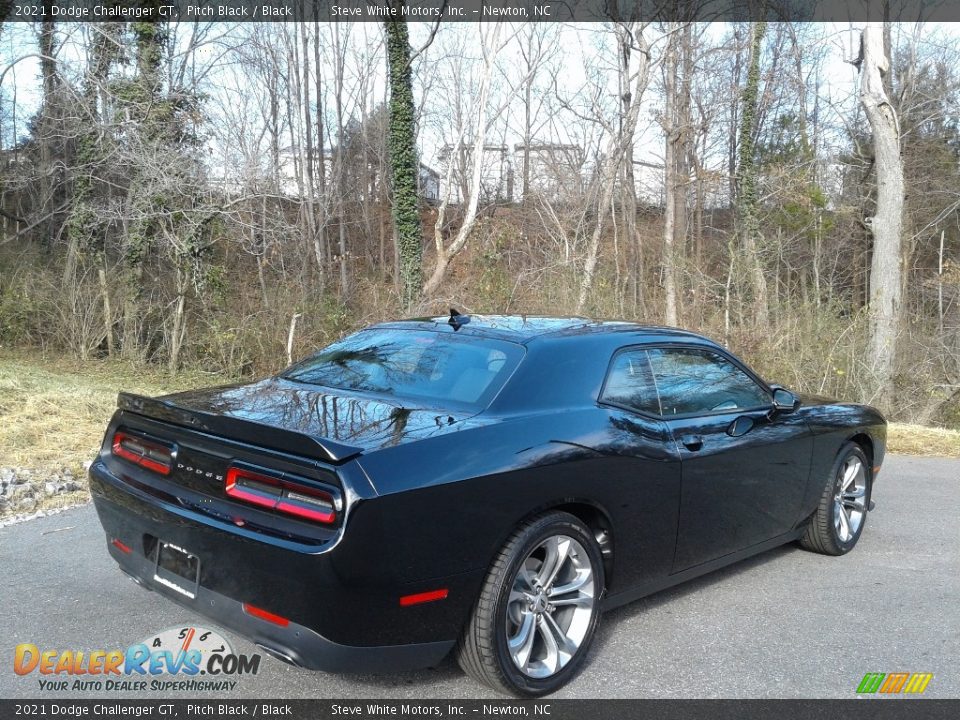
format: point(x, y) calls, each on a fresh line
point(149, 454)
point(299, 500)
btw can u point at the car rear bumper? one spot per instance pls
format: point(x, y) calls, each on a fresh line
point(292, 643)
point(336, 620)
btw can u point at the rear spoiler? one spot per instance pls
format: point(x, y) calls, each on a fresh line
point(266, 436)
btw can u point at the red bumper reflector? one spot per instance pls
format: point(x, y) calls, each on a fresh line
point(122, 547)
point(264, 615)
point(424, 597)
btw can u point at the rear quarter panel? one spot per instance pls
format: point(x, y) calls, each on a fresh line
point(446, 505)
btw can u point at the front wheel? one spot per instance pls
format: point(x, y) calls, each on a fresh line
point(842, 512)
point(538, 609)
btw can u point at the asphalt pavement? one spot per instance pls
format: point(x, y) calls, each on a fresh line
point(787, 623)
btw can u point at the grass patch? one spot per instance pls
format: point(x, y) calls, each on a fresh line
point(55, 410)
point(920, 440)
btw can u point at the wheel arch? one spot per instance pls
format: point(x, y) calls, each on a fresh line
point(866, 444)
point(591, 514)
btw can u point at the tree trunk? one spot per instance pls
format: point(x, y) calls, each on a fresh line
point(616, 150)
point(48, 120)
point(402, 139)
point(178, 329)
point(446, 254)
point(669, 180)
point(107, 312)
point(885, 270)
point(310, 157)
point(748, 224)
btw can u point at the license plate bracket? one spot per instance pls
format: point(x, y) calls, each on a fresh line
point(177, 569)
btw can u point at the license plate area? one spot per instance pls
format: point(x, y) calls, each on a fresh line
point(177, 569)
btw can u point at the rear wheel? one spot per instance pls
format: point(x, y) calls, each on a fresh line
point(538, 609)
point(842, 512)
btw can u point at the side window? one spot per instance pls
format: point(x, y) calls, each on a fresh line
point(630, 382)
point(691, 381)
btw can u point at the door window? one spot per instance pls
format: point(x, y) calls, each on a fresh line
point(691, 381)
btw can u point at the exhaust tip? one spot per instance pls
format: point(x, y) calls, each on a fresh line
point(279, 655)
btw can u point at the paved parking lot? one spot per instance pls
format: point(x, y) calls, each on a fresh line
point(785, 624)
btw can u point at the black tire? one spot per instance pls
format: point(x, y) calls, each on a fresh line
point(483, 651)
point(822, 535)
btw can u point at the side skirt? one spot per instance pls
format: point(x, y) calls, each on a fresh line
point(655, 586)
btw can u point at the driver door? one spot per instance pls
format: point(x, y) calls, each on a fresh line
point(744, 468)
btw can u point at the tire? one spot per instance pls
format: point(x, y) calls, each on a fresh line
point(838, 522)
point(512, 609)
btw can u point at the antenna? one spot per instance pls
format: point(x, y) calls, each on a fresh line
point(457, 320)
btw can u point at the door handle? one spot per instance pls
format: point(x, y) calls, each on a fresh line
point(692, 442)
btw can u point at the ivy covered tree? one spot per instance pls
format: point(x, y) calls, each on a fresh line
point(402, 151)
point(748, 225)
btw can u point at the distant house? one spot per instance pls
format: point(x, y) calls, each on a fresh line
point(555, 170)
point(496, 173)
point(428, 182)
point(289, 161)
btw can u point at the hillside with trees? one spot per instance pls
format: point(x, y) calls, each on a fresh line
point(218, 198)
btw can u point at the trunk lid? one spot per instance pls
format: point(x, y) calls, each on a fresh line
point(324, 424)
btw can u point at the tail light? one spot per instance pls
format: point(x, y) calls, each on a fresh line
point(148, 454)
point(270, 492)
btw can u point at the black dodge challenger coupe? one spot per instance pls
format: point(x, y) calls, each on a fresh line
point(489, 484)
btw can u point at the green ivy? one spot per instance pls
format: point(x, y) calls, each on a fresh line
point(402, 150)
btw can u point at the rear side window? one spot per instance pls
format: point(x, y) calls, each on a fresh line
point(630, 383)
point(428, 367)
point(692, 381)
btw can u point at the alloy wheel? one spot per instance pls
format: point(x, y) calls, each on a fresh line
point(849, 501)
point(551, 604)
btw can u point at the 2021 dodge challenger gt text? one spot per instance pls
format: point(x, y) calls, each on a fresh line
point(484, 484)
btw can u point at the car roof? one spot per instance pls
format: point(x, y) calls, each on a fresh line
point(524, 329)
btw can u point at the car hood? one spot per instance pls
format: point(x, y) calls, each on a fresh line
point(811, 400)
point(363, 422)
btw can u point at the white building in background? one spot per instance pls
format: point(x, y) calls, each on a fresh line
point(429, 180)
point(496, 173)
point(555, 170)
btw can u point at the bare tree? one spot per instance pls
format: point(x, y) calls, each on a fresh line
point(620, 140)
point(886, 224)
point(490, 44)
point(670, 182)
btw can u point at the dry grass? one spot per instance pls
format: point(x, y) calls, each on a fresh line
point(919, 440)
point(53, 412)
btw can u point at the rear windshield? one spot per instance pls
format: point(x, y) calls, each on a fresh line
point(431, 368)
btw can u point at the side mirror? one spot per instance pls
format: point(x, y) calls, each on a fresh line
point(783, 399)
